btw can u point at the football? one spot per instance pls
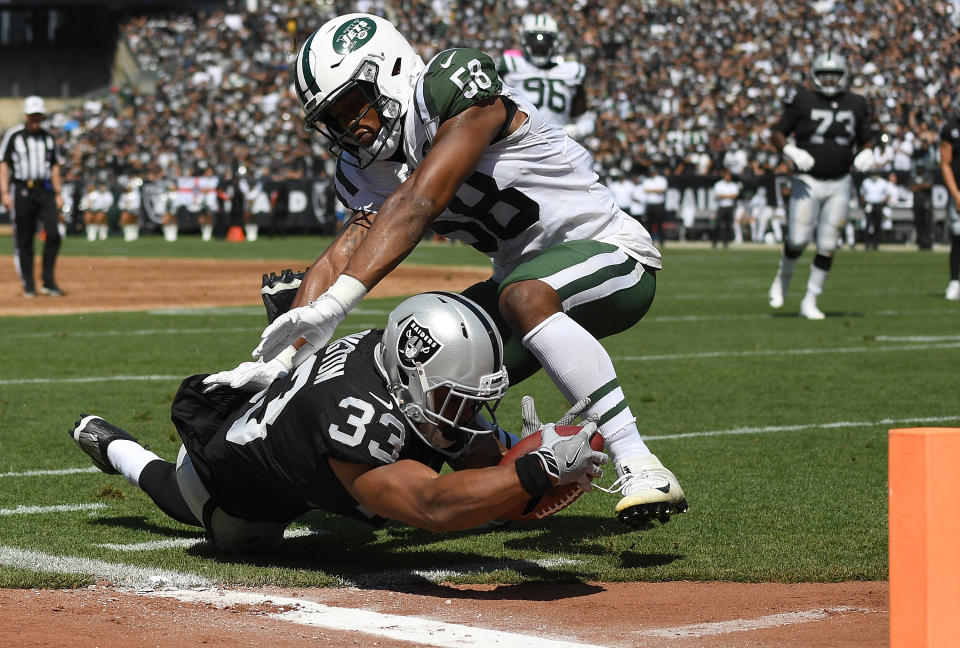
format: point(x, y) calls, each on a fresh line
point(558, 497)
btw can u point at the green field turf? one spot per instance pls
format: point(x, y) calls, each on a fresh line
point(776, 427)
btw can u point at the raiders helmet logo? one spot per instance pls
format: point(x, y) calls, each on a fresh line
point(415, 344)
point(353, 35)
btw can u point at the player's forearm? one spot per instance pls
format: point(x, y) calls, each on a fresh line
point(56, 180)
point(4, 178)
point(401, 223)
point(329, 265)
point(467, 498)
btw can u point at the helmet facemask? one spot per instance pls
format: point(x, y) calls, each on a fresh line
point(360, 89)
point(538, 47)
point(829, 74)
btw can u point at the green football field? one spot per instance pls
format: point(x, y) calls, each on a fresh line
point(776, 427)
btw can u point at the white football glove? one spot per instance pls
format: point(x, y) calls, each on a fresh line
point(314, 322)
point(532, 423)
point(570, 459)
point(800, 158)
point(865, 161)
point(253, 376)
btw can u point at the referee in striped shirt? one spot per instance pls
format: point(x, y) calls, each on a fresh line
point(30, 186)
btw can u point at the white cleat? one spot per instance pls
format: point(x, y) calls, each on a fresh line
point(953, 290)
point(649, 490)
point(775, 296)
point(809, 310)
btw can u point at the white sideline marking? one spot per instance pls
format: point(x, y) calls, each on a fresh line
point(416, 630)
point(803, 426)
point(115, 333)
point(87, 379)
point(788, 352)
point(190, 542)
point(51, 473)
point(741, 625)
point(124, 575)
point(917, 338)
point(58, 508)
point(666, 356)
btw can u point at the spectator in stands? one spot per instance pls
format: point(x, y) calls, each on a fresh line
point(654, 189)
point(727, 193)
point(921, 185)
point(875, 194)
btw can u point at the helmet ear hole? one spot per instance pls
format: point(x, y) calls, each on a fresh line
point(396, 67)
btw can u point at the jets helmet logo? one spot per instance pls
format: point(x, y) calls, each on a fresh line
point(352, 35)
point(416, 345)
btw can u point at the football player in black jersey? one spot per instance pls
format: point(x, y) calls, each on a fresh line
point(360, 429)
point(829, 125)
point(950, 168)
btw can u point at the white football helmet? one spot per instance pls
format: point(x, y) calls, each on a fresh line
point(443, 359)
point(362, 52)
point(538, 39)
point(829, 74)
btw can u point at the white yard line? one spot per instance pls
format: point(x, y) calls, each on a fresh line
point(174, 543)
point(703, 355)
point(51, 473)
point(416, 630)
point(805, 426)
point(57, 508)
point(696, 630)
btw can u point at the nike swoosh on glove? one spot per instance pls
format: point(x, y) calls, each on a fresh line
point(800, 158)
point(314, 322)
point(252, 376)
point(864, 161)
point(570, 459)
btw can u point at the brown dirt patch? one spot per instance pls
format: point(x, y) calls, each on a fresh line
point(615, 614)
point(94, 284)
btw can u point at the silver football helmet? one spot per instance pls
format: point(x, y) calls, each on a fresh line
point(443, 359)
point(829, 74)
point(363, 60)
point(538, 39)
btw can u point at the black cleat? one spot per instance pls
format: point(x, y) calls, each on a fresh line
point(93, 435)
point(278, 291)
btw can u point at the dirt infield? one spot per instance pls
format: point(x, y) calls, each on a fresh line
point(96, 284)
point(640, 615)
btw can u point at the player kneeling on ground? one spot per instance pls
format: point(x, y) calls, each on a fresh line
point(360, 428)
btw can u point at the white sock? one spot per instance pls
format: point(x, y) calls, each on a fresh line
point(91, 232)
point(818, 277)
point(102, 231)
point(131, 232)
point(251, 230)
point(129, 459)
point(206, 232)
point(579, 366)
point(170, 233)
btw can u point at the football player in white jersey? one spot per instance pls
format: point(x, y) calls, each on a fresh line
point(830, 126)
point(447, 147)
point(553, 85)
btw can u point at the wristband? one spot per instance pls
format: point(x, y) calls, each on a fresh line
point(286, 357)
point(348, 291)
point(533, 477)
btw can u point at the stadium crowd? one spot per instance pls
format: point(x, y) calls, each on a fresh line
point(692, 85)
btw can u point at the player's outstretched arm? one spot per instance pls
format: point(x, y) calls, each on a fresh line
point(328, 266)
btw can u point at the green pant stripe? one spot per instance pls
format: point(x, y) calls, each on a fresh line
point(622, 405)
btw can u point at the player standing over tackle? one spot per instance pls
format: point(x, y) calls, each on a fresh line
point(447, 147)
point(550, 83)
point(361, 429)
point(828, 124)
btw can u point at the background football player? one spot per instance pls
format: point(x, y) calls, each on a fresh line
point(950, 168)
point(829, 124)
point(476, 162)
point(552, 84)
point(360, 429)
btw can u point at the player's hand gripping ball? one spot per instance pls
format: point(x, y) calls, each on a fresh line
point(557, 498)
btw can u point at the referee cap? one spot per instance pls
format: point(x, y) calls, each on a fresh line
point(33, 105)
